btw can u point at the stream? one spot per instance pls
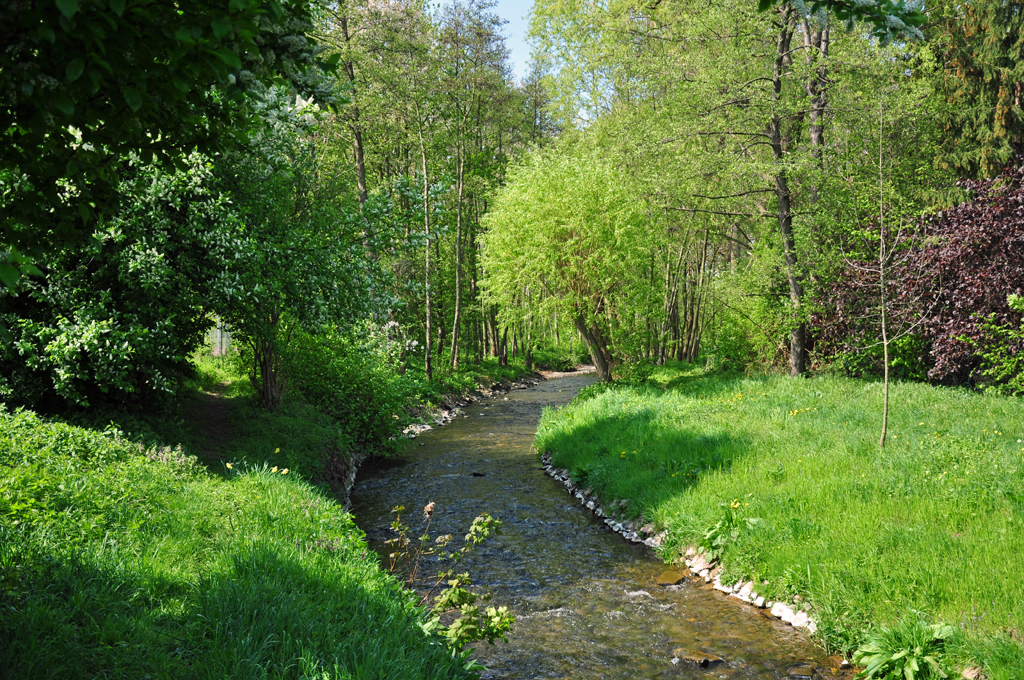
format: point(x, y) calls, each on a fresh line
point(585, 600)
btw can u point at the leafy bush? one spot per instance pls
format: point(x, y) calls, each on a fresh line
point(961, 263)
point(353, 378)
point(910, 650)
point(1002, 359)
point(562, 358)
point(121, 320)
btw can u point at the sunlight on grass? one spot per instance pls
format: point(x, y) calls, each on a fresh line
point(866, 534)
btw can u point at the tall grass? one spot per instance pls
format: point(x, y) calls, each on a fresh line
point(120, 561)
point(933, 523)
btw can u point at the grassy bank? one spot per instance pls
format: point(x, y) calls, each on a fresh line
point(123, 556)
point(934, 523)
point(118, 561)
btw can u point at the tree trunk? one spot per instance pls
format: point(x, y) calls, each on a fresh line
point(458, 262)
point(779, 143)
point(598, 354)
point(426, 223)
point(354, 125)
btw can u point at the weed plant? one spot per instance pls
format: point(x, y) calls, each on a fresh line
point(122, 561)
point(934, 522)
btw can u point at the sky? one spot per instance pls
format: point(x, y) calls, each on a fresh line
point(515, 11)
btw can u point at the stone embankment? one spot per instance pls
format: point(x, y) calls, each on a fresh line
point(640, 531)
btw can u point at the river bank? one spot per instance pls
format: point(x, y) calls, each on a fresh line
point(587, 604)
point(783, 484)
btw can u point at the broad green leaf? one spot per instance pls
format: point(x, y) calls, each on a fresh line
point(47, 34)
point(72, 168)
point(133, 97)
point(221, 27)
point(75, 69)
point(9, 275)
point(31, 269)
point(68, 7)
point(117, 6)
point(63, 103)
point(229, 58)
point(181, 83)
point(238, 5)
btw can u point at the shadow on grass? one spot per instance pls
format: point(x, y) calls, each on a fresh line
point(636, 456)
point(271, 615)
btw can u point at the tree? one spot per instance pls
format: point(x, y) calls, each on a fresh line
point(118, 322)
point(888, 20)
point(86, 83)
point(301, 261)
point(567, 235)
point(980, 46)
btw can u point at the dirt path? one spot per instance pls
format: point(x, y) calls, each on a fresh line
point(213, 418)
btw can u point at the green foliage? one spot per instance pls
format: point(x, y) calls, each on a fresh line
point(353, 377)
point(862, 535)
point(303, 265)
point(471, 625)
point(888, 20)
point(910, 650)
point(135, 562)
point(88, 83)
point(727, 530)
point(1002, 360)
point(980, 49)
point(121, 319)
point(566, 236)
point(561, 358)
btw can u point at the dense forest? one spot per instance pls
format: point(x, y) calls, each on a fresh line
point(383, 217)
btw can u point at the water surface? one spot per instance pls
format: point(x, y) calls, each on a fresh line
point(585, 600)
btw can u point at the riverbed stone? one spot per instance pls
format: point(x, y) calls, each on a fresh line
point(801, 672)
point(670, 577)
point(697, 657)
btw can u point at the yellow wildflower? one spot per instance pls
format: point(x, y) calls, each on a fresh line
point(229, 466)
point(273, 469)
point(284, 471)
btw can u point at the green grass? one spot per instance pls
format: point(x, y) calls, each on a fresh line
point(934, 523)
point(120, 561)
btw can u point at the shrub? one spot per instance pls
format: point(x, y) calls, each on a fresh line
point(353, 377)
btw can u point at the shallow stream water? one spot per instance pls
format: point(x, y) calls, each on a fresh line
point(586, 601)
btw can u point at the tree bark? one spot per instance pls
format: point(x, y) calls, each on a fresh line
point(426, 223)
point(594, 344)
point(460, 177)
point(779, 144)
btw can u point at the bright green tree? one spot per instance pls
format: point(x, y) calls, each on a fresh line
point(568, 235)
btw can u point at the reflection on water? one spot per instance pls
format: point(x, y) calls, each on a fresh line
point(585, 600)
